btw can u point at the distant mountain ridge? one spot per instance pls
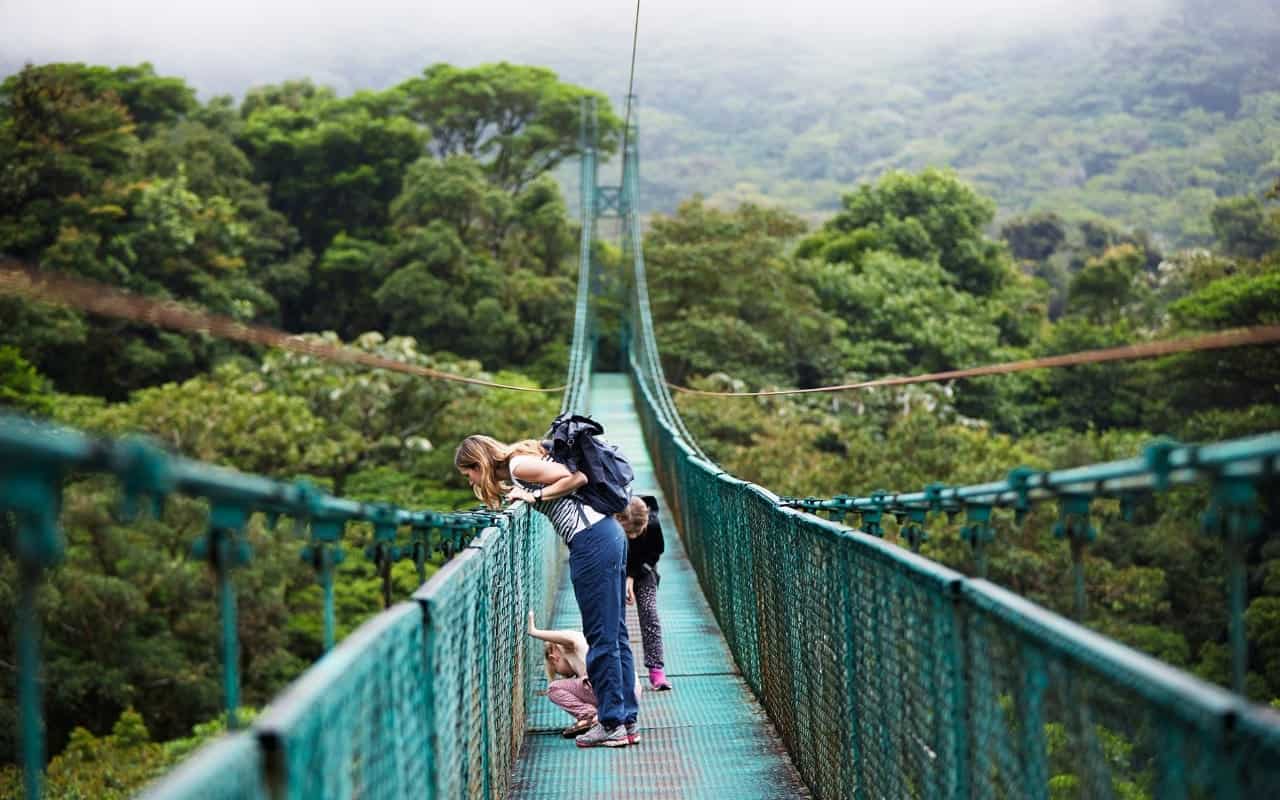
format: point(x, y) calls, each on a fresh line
point(1144, 122)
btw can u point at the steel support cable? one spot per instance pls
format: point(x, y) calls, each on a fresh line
point(582, 348)
point(580, 356)
point(645, 335)
point(631, 81)
point(630, 180)
point(1264, 334)
point(106, 301)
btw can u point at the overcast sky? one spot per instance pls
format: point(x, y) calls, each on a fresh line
point(227, 45)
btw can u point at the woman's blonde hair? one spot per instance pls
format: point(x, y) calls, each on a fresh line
point(634, 517)
point(488, 454)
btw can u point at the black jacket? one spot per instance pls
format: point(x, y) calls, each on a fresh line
point(644, 550)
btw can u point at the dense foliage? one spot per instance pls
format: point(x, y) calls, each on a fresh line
point(416, 209)
point(420, 222)
point(904, 281)
point(1143, 116)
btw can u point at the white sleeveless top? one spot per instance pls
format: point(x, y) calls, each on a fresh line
point(568, 515)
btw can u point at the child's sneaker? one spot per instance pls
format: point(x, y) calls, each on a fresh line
point(633, 732)
point(598, 736)
point(658, 680)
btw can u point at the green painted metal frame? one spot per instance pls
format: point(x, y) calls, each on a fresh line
point(454, 659)
point(889, 675)
point(36, 456)
point(1238, 470)
point(426, 700)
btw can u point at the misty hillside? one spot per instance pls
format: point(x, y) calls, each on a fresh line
point(1143, 122)
point(1142, 117)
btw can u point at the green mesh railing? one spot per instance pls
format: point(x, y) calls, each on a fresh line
point(368, 693)
point(888, 675)
point(582, 348)
point(427, 699)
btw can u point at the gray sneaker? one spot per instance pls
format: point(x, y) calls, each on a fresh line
point(633, 732)
point(599, 737)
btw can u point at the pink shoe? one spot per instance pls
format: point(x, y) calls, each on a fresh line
point(658, 680)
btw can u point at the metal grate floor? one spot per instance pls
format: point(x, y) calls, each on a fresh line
point(708, 737)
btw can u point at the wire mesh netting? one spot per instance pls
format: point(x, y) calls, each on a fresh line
point(708, 737)
point(888, 675)
point(428, 699)
point(227, 769)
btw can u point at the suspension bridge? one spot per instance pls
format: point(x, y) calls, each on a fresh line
point(810, 658)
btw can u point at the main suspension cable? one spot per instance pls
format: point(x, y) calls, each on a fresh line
point(107, 301)
point(631, 81)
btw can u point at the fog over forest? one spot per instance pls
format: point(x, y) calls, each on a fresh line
point(230, 46)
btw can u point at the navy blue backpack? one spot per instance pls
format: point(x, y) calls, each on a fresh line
point(571, 440)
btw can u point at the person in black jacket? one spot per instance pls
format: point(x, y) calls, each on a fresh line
point(640, 523)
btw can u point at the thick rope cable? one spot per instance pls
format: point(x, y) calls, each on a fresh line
point(1265, 334)
point(107, 301)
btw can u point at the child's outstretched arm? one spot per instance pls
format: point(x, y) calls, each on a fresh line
point(563, 638)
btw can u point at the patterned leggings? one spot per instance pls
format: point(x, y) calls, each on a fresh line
point(646, 591)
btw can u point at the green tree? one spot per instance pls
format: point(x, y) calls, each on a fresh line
point(332, 165)
point(1108, 285)
point(726, 297)
point(1226, 379)
point(60, 141)
point(931, 216)
point(22, 387)
point(904, 316)
point(483, 272)
point(1245, 228)
point(1035, 237)
point(519, 121)
point(86, 197)
point(372, 417)
point(207, 158)
point(1099, 396)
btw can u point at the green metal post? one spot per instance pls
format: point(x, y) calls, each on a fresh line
point(225, 550)
point(914, 528)
point(29, 694)
point(230, 642)
point(1030, 698)
point(1073, 525)
point(1236, 590)
point(326, 580)
point(957, 663)
point(323, 559)
point(977, 532)
point(31, 492)
point(1234, 515)
point(1081, 600)
point(419, 558)
point(1172, 761)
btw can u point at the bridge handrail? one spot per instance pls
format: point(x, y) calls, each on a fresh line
point(37, 456)
point(380, 715)
point(889, 675)
point(1162, 464)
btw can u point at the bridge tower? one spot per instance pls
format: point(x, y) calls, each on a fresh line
point(611, 203)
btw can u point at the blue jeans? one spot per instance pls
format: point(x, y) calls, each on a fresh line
point(598, 570)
